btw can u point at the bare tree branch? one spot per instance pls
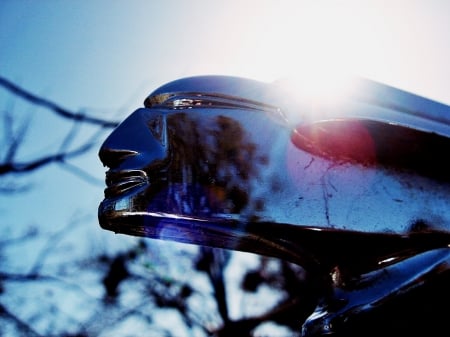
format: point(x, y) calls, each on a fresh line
point(13, 139)
point(60, 111)
point(213, 262)
point(26, 167)
point(52, 241)
point(24, 328)
point(70, 136)
point(14, 187)
point(82, 174)
point(30, 234)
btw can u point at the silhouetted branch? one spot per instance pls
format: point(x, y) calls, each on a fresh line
point(52, 242)
point(46, 278)
point(82, 174)
point(24, 328)
point(213, 262)
point(30, 234)
point(70, 136)
point(26, 167)
point(14, 139)
point(60, 111)
point(13, 187)
point(287, 310)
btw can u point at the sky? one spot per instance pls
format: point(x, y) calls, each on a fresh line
point(105, 57)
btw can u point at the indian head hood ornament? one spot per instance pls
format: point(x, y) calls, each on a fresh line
point(361, 183)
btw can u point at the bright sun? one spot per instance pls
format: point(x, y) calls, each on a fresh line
point(311, 42)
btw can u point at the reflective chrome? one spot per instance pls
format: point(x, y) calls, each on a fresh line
point(245, 165)
point(373, 290)
point(382, 156)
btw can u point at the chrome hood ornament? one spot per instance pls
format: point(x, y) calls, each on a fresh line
point(361, 182)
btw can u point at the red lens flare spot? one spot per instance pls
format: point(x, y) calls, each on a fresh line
point(338, 140)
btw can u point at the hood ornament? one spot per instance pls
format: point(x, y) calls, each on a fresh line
point(360, 185)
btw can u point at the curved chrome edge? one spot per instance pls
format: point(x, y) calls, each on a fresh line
point(397, 106)
point(373, 290)
point(215, 86)
point(380, 102)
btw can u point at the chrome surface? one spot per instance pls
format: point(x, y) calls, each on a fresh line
point(377, 164)
point(373, 290)
point(361, 182)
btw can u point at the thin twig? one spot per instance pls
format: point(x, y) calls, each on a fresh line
point(26, 167)
point(21, 326)
point(60, 111)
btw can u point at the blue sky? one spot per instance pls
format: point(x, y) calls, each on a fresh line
point(104, 57)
